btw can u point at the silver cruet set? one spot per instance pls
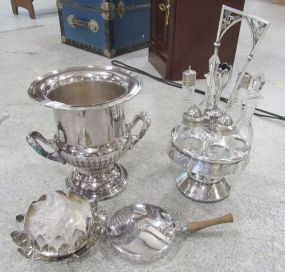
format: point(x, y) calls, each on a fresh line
point(212, 141)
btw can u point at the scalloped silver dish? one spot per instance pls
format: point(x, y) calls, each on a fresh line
point(31, 249)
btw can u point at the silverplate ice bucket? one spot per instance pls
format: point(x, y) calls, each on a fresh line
point(92, 134)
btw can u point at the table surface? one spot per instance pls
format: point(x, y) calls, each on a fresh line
point(254, 242)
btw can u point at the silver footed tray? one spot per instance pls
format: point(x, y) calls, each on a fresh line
point(58, 227)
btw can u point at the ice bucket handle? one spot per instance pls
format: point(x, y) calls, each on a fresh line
point(33, 139)
point(146, 121)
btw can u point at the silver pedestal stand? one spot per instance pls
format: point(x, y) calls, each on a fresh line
point(214, 141)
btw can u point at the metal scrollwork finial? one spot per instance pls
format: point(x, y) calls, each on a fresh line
point(228, 20)
point(257, 29)
point(230, 17)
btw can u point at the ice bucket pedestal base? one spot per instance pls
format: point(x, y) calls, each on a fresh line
point(99, 185)
point(197, 189)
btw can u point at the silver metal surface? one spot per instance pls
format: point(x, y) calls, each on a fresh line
point(92, 134)
point(38, 248)
point(145, 233)
point(255, 242)
point(141, 232)
point(193, 187)
point(112, 181)
point(42, 87)
point(258, 27)
point(219, 142)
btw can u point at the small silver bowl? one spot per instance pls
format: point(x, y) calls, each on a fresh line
point(58, 227)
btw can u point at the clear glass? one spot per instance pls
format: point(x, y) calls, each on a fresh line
point(204, 144)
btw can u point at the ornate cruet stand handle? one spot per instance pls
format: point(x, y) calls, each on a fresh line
point(216, 142)
point(230, 17)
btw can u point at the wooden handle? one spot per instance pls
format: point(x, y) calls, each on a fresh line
point(194, 226)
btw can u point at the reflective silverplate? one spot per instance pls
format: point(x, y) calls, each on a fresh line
point(58, 227)
point(145, 233)
point(214, 140)
point(91, 131)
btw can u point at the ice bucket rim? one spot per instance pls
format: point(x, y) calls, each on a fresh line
point(37, 90)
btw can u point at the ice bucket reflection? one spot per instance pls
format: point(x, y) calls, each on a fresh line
point(92, 134)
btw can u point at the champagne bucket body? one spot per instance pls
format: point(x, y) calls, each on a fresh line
point(90, 139)
point(92, 134)
point(86, 129)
